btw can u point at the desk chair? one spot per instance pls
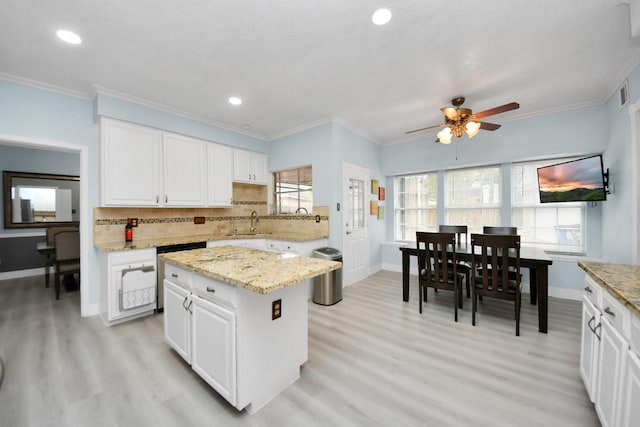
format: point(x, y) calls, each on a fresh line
point(67, 256)
point(461, 231)
point(434, 269)
point(51, 258)
point(491, 258)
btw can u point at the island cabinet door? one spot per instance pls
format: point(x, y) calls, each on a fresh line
point(177, 319)
point(214, 346)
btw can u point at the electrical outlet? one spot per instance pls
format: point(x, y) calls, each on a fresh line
point(134, 222)
point(276, 309)
point(198, 220)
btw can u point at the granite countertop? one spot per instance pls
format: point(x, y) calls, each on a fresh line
point(165, 241)
point(622, 281)
point(256, 270)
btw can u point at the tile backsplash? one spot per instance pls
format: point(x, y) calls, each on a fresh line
point(155, 223)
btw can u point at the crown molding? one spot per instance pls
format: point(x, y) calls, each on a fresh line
point(44, 86)
point(316, 123)
point(99, 90)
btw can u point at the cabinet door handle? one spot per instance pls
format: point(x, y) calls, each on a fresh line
point(249, 177)
point(609, 312)
point(189, 307)
point(588, 289)
point(254, 177)
point(157, 198)
point(184, 302)
point(174, 275)
point(210, 289)
point(595, 330)
point(166, 199)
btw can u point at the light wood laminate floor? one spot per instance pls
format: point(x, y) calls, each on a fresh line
point(373, 361)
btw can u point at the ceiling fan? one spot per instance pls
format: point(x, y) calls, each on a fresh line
point(459, 120)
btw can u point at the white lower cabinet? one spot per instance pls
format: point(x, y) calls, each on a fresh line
point(231, 338)
point(590, 349)
point(177, 319)
point(613, 347)
point(214, 346)
point(609, 366)
point(630, 396)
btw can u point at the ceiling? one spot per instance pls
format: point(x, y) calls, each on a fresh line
point(298, 63)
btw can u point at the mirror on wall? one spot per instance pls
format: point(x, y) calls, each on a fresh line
point(37, 200)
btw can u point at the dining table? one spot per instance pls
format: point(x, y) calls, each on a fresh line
point(536, 260)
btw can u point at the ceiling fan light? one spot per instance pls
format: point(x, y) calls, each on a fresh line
point(472, 129)
point(444, 136)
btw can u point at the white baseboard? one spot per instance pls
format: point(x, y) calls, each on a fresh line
point(22, 273)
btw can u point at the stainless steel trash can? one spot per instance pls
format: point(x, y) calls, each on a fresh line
point(327, 288)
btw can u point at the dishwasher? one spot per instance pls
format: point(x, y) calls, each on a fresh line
point(164, 250)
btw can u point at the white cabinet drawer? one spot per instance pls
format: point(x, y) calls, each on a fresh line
point(179, 276)
point(617, 313)
point(215, 290)
point(593, 291)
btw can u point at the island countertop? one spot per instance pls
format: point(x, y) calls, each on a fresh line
point(622, 281)
point(256, 270)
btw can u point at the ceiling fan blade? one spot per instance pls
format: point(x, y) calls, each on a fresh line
point(497, 110)
point(429, 127)
point(450, 113)
point(489, 126)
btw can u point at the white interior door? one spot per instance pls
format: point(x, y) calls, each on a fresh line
point(355, 245)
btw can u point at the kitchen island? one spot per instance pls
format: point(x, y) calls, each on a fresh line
point(239, 317)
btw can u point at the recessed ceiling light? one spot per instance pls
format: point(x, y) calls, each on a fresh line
point(69, 36)
point(381, 16)
point(234, 100)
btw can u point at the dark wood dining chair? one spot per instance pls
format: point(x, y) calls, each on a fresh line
point(511, 231)
point(51, 257)
point(492, 255)
point(462, 235)
point(434, 269)
point(67, 256)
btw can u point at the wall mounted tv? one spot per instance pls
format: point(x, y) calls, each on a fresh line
point(582, 180)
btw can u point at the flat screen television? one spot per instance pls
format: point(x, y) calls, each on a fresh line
point(582, 180)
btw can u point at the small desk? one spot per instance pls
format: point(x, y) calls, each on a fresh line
point(535, 259)
point(46, 249)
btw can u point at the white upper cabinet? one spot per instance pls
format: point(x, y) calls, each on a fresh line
point(143, 166)
point(249, 167)
point(130, 164)
point(219, 175)
point(185, 170)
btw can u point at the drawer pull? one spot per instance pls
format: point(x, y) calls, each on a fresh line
point(174, 275)
point(588, 289)
point(609, 312)
point(210, 289)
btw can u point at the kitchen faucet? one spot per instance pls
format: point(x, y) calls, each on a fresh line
point(300, 209)
point(254, 214)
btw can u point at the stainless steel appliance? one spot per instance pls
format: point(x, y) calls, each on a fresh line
point(166, 249)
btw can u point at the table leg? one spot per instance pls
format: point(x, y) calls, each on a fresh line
point(405, 275)
point(543, 296)
point(533, 285)
point(46, 272)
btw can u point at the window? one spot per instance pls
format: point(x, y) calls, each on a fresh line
point(292, 190)
point(552, 226)
point(473, 197)
point(355, 216)
point(415, 205)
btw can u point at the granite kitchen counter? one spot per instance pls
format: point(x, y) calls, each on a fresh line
point(256, 270)
point(622, 281)
point(165, 241)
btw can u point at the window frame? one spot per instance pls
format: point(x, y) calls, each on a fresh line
point(303, 184)
point(429, 210)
